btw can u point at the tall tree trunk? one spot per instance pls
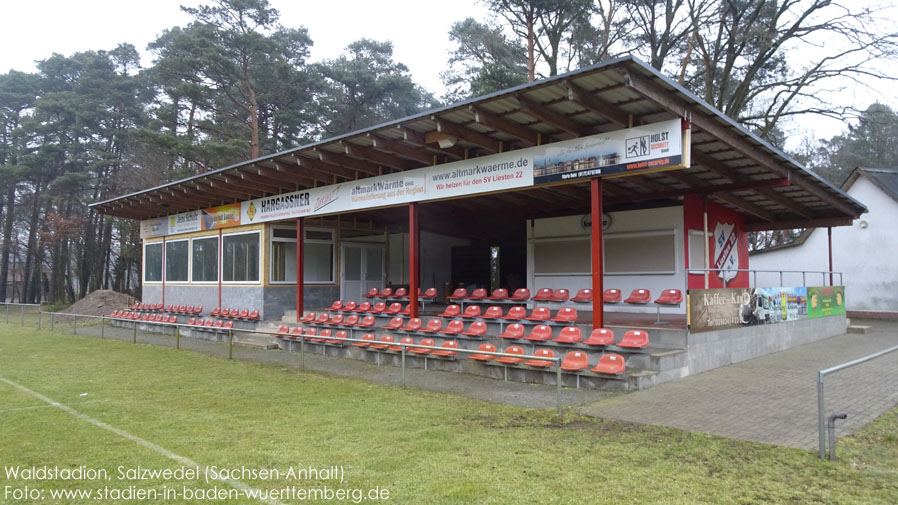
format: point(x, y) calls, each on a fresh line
point(7, 238)
point(31, 250)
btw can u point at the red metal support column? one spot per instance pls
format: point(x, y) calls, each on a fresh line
point(163, 272)
point(829, 236)
point(220, 265)
point(413, 258)
point(300, 270)
point(598, 269)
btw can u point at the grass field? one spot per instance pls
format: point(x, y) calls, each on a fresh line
point(421, 447)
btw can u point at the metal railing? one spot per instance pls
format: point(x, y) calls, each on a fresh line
point(21, 309)
point(821, 406)
point(825, 274)
point(55, 317)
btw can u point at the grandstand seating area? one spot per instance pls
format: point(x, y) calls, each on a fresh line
point(545, 323)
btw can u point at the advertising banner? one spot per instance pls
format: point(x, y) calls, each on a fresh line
point(653, 147)
point(719, 309)
point(649, 147)
point(826, 301)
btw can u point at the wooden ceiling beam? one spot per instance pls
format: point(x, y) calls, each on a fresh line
point(348, 162)
point(291, 172)
point(459, 131)
point(548, 115)
point(725, 197)
point(596, 104)
point(324, 171)
point(416, 137)
point(504, 125)
point(400, 148)
point(719, 168)
point(365, 153)
point(253, 183)
point(727, 136)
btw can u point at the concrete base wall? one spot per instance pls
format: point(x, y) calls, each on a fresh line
point(270, 301)
point(714, 349)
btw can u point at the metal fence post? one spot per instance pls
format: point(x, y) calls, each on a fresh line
point(7, 313)
point(134, 335)
point(821, 423)
point(558, 386)
point(51, 321)
point(23, 315)
point(230, 344)
point(403, 365)
point(302, 353)
point(781, 278)
point(74, 326)
point(40, 315)
point(178, 338)
point(804, 282)
point(102, 327)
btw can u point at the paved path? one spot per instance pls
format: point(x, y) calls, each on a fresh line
point(773, 398)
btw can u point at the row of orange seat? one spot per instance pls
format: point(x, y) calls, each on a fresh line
point(632, 339)
point(211, 323)
point(184, 309)
point(428, 294)
point(246, 314)
point(143, 316)
point(515, 313)
point(574, 361)
point(146, 306)
point(637, 296)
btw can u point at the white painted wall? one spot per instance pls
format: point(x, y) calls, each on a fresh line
point(866, 256)
point(649, 220)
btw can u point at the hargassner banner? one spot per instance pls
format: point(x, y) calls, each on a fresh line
point(653, 147)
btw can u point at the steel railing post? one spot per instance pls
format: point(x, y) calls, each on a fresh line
point(230, 344)
point(134, 336)
point(7, 313)
point(302, 353)
point(821, 422)
point(178, 338)
point(102, 327)
point(804, 281)
point(51, 321)
point(403, 365)
point(74, 326)
point(40, 315)
point(23, 315)
point(558, 385)
point(781, 278)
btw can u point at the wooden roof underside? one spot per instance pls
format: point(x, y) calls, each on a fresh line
point(729, 164)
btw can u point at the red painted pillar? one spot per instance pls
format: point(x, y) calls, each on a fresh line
point(300, 266)
point(598, 270)
point(220, 265)
point(163, 272)
point(829, 236)
point(413, 258)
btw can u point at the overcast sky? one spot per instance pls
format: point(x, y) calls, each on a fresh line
point(35, 29)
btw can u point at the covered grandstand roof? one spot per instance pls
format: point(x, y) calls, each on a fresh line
point(730, 165)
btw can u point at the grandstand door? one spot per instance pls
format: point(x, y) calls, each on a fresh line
point(363, 269)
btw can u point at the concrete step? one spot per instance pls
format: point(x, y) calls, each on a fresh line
point(856, 328)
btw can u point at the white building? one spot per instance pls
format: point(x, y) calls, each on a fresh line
point(864, 252)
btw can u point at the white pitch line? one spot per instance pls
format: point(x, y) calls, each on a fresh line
point(45, 406)
point(236, 484)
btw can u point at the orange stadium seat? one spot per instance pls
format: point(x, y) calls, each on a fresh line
point(513, 331)
point(484, 348)
point(600, 336)
point(611, 364)
point(508, 360)
point(541, 363)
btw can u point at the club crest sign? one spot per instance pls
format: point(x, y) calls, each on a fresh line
point(726, 254)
